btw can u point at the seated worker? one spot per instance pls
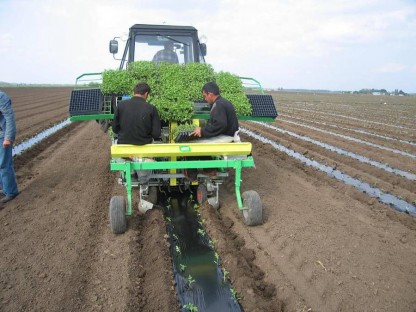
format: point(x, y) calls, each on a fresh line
point(222, 125)
point(136, 121)
point(167, 54)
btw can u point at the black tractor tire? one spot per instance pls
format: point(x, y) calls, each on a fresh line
point(117, 214)
point(253, 212)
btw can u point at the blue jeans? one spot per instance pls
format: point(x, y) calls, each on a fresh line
point(7, 175)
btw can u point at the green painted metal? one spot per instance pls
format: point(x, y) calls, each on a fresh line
point(80, 79)
point(252, 86)
point(91, 117)
point(127, 167)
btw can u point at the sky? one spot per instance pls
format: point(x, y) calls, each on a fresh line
point(337, 45)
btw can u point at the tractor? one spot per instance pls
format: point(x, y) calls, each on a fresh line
point(166, 165)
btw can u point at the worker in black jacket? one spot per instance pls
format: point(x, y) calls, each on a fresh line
point(222, 125)
point(136, 121)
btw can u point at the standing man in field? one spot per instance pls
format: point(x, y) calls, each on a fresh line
point(136, 121)
point(7, 137)
point(222, 125)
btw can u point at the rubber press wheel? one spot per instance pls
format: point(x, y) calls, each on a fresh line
point(253, 212)
point(152, 195)
point(117, 214)
point(201, 193)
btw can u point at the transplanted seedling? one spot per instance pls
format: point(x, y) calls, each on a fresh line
point(182, 267)
point(225, 272)
point(201, 232)
point(234, 294)
point(191, 307)
point(217, 258)
point(190, 280)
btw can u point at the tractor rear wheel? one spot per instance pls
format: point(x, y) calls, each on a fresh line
point(253, 210)
point(117, 214)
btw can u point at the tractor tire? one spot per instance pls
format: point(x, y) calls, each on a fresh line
point(117, 214)
point(253, 212)
point(201, 193)
point(153, 196)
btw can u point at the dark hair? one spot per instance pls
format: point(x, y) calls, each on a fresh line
point(211, 87)
point(141, 88)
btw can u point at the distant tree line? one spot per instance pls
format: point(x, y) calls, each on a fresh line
point(381, 92)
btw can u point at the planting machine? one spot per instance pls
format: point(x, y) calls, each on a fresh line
point(167, 166)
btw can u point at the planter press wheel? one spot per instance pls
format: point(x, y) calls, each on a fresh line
point(201, 193)
point(253, 212)
point(152, 197)
point(117, 214)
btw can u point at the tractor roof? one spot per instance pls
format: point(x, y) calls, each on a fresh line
point(162, 27)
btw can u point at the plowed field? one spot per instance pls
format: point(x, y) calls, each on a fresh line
point(324, 246)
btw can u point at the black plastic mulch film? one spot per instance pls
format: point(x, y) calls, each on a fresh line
point(200, 282)
point(85, 102)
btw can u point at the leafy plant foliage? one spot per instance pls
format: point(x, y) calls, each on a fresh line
point(175, 87)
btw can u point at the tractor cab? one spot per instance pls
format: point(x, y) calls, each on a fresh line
point(176, 44)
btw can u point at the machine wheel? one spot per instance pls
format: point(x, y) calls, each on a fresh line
point(117, 214)
point(201, 193)
point(152, 197)
point(253, 213)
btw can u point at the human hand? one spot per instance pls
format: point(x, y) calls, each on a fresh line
point(6, 143)
point(197, 132)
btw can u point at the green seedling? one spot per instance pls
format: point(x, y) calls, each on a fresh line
point(182, 267)
point(168, 219)
point(225, 275)
point(175, 237)
point(191, 307)
point(217, 258)
point(201, 232)
point(178, 249)
point(190, 280)
point(234, 295)
point(212, 243)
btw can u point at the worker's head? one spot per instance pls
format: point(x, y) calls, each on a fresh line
point(142, 89)
point(168, 45)
point(210, 92)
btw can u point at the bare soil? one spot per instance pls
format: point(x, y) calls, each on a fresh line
point(324, 246)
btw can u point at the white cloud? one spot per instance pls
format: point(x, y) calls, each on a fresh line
point(281, 43)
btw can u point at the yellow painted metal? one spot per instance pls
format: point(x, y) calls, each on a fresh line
point(180, 149)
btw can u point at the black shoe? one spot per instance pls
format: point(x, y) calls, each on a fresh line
point(7, 198)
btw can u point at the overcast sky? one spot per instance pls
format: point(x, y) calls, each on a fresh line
point(333, 45)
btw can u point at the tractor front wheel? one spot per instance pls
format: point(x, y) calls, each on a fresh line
point(117, 214)
point(253, 210)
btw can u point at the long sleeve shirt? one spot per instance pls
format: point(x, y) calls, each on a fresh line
point(7, 120)
point(136, 122)
point(222, 120)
